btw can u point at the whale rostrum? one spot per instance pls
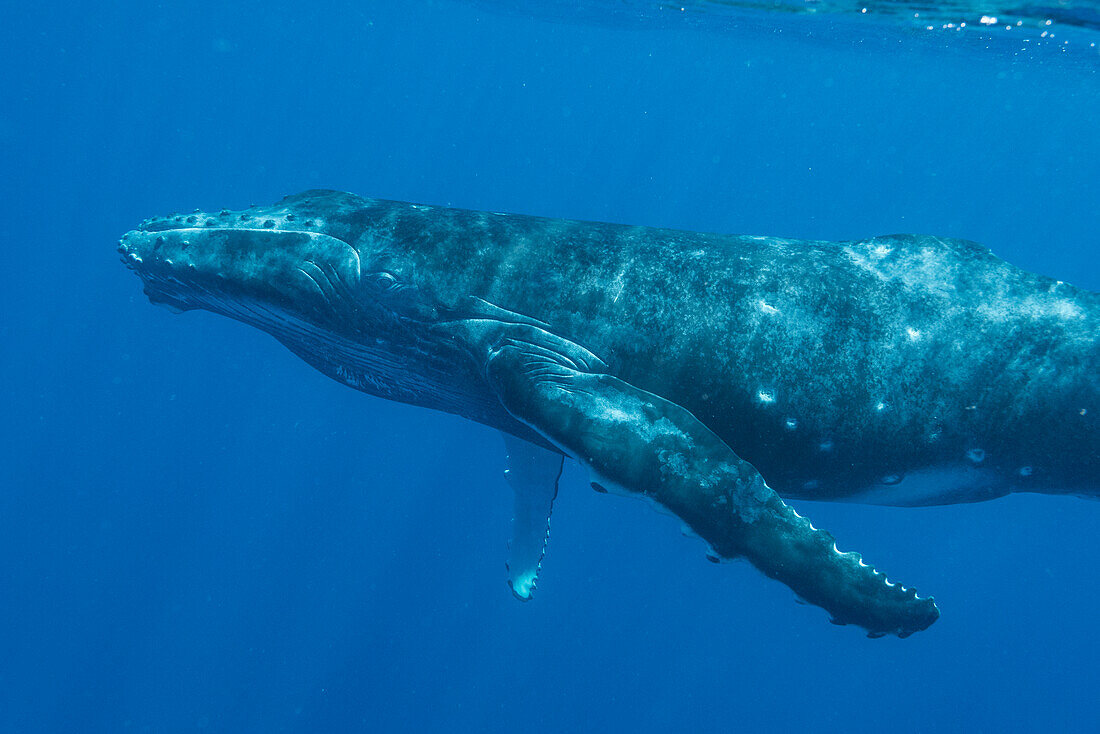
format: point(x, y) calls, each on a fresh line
point(714, 375)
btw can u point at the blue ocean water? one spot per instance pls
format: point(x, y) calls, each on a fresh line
point(198, 532)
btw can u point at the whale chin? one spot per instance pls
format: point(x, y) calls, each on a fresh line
point(167, 300)
point(162, 288)
point(169, 304)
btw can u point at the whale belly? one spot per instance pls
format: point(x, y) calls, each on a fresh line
point(946, 485)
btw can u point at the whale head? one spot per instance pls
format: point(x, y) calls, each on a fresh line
point(325, 273)
point(293, 257)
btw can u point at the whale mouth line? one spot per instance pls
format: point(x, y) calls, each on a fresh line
point(176, 227)
point(134, 260)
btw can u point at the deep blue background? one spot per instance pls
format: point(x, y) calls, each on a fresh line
point(197, 531)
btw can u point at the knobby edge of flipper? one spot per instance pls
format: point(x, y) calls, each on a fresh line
point(638, 441)
point(533, 473)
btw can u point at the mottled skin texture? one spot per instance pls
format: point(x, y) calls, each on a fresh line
point(701, 371)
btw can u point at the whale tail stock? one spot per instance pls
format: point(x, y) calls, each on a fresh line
point(640, 443)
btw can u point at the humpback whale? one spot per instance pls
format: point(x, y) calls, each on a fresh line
point(713, 375)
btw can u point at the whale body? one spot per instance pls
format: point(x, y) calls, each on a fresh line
point(711, 374)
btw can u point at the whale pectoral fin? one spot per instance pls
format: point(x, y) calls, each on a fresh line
point(533, 474)
point(649, 446)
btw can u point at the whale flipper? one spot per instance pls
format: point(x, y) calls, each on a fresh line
point(533, 474)
point(636, 441)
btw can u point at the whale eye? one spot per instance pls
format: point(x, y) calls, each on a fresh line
point(383, 281)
